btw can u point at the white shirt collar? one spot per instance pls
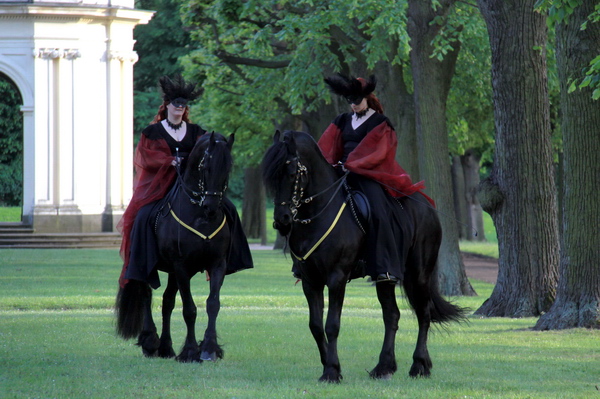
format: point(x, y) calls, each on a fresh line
point(356, 122)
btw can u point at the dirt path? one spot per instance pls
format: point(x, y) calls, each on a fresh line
point(481, 267)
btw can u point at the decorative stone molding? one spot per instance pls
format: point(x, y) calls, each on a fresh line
point(123, 56)
point(71, 53)
point(47, 53)
point(54, 53)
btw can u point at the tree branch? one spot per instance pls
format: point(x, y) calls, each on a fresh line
point(231, 59)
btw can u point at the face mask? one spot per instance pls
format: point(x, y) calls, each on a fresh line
point(356, 100)
point(179, 102)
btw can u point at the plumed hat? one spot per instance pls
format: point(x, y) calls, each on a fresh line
point(178, 89)
point(350, 87)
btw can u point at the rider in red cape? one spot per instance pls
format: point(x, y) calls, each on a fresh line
point(364, 142)
point(374, 157)
point(163, 145)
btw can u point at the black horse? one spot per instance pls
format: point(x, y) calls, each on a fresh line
point(193, 236)
point(326, 242)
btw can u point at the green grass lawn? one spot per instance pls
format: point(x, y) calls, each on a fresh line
point(57, 341)
point(10, 214)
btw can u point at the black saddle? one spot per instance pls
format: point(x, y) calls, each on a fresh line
point(360, 206)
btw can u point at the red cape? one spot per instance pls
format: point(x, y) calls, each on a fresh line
point(154, 175)
point(374, 157)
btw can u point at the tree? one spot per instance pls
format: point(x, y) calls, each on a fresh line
point(11, 144)
point(159, 45)
point(432, 77)
point(470, 122)
point(520, 192)
point(578, 296)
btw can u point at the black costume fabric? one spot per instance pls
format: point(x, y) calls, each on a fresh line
point(386, 246)
point(143, 259)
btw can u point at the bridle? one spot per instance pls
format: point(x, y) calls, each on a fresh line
point(198, 197)
point(297, 198)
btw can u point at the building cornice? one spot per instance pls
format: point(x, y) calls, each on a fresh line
point(72, 13)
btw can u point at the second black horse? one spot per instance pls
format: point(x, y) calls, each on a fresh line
point(311, 209)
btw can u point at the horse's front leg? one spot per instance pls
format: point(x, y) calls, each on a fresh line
point(165, 349)
point(337, 289)
point(190, 351)
point(314, 298)
point(209, 347)
point(391, 315)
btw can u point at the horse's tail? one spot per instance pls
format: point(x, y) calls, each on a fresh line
point(424, 294)
point(443, 311)
point(129, 308)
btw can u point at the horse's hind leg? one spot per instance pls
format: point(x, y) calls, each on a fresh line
point(148, 338)
point(416, 287)
point(165, 349)
point(190, 351)
point(209, 347)
point(391, 315)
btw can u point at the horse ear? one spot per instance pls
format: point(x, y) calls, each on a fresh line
point(230, 141)
point(212, 138)
point(276, 137)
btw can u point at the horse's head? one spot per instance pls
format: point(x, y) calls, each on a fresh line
point(208, 170)
point(285, 176)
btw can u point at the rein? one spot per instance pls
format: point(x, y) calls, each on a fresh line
point(194, 194)
point(297, 195)
point(202, 193)
point(298, 200)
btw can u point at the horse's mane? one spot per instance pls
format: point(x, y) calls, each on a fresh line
point(274, 161)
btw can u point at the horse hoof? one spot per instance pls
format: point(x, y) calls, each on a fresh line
point(208, 357)
point(417, 371)
point(189, 357)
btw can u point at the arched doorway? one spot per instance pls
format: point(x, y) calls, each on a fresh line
point(11, 151)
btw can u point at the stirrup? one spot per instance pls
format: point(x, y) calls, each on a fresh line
point(386, 278)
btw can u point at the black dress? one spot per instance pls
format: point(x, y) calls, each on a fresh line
point(386, 249)
point(144, 248)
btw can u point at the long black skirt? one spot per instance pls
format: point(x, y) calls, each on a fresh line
point(386, 242)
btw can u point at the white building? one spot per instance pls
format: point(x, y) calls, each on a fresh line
point(72, 62)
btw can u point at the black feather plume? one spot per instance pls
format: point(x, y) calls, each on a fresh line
point(348, 86)
point(178, 88)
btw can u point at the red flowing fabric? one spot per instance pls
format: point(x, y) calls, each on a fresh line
point(154, 174)
point(374, 157)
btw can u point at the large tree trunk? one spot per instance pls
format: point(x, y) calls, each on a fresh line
point(460, 200)
point(254, 219)
point(432, 79)
point(399, 107)
point(578, 297)
point(520, 193)
point(474, 214)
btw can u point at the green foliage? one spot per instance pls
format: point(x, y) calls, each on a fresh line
point(470, 112)
point(11, 144)
point(263, 61)
point(58, 341)
point(159, 45)
point(559, 12)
